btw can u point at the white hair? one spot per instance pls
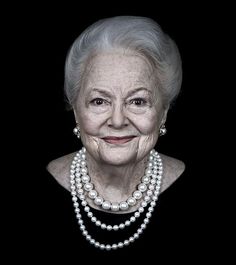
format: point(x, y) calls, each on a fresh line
point(136, 34)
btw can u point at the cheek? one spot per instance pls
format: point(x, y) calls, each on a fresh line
point(147, 124)
point(90, 124)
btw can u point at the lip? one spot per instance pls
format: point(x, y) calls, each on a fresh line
point(118, 140)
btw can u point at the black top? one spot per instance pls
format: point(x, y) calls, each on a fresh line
point(53, 233)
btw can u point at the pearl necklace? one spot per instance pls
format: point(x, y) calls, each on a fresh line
point(78, 189)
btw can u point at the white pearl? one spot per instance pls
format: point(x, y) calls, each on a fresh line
point(137, 194)
point(142, 187)
point(74, 199)
point(85, 178)
point(131, 239)
point(98, 223)
point(93, 219)
point(147, 198)
point(136, 236)
point(143, 204)
point(115, 207)
point(76, 204)
point(108, 247)
point(115, 227)
point(150, 209)
point(97, 244)
point(127, 223)
point(152, 151)
point(88, 186)
point(88, 237)
point(85, 233)
point(153, 181)
point(151, 187)
point(143, 226)
point(84, 203)
point(140, 209)
point(98, 200)
point(114, 246)
point(131, 201)
point(149, 193)
point(80, 222)
point(109, 227)
point(83, 156)
point(139, 231)
point(126, 242)
point(80, 191)
point(92, 241)
point(90, 214)
point(84, 170)
point(154, 198)
point(92, 194)
point(148, 215)
point(78, 215)
point(123, 206)
point(106, 205)
point(102, 246)
point(146, 221)
point(145, 179)
point(103, 226)
point(79, 185)
point(82, 197)
point(148, 172)
point(132, 219)
point(82, 227)
point(150, 158)
point(83, 163)
point(121, 226)
point(153, 204)
point(83, 149)
point(120, 245)
point(86, 209)
point(136, 214)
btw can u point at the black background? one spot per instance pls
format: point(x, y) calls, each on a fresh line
point(39, 38)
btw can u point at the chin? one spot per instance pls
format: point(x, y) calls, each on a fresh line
point(117, 155)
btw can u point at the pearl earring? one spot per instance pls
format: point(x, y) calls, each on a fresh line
point(162, 130)
point(76, 131)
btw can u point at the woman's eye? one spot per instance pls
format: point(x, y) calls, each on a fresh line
point(138, 101)
point(98, 101)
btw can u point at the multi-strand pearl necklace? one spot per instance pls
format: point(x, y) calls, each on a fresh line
point(148, 189)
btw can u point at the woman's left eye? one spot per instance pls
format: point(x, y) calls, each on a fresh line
point(138, 101)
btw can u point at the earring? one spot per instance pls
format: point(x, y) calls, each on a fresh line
point(162, 130)
point(76, 131)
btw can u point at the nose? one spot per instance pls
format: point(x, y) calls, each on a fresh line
point(118, 117)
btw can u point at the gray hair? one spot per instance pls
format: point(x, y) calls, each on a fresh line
point(137, 34)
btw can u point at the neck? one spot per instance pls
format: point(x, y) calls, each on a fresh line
point(115, 183)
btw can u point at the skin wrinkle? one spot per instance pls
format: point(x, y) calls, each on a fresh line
point(116, 170)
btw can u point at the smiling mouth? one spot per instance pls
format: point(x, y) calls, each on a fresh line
point(118, 140)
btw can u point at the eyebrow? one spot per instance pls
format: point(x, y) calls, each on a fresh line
point(130, 93)
point(137, 90)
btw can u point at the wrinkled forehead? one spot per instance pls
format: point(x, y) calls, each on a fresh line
point(124, 71)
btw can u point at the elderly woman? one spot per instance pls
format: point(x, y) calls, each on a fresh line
point(121, 76)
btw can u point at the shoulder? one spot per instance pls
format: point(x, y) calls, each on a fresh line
point(60, 169)
point(172, 170)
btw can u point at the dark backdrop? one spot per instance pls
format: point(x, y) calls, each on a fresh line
point(42, 128)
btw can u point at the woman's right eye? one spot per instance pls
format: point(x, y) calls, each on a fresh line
point(98, 101)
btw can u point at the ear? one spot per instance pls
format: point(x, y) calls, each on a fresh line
point(164, 116)
point(75, 115)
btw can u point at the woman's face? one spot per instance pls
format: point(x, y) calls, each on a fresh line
point(115, 109)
